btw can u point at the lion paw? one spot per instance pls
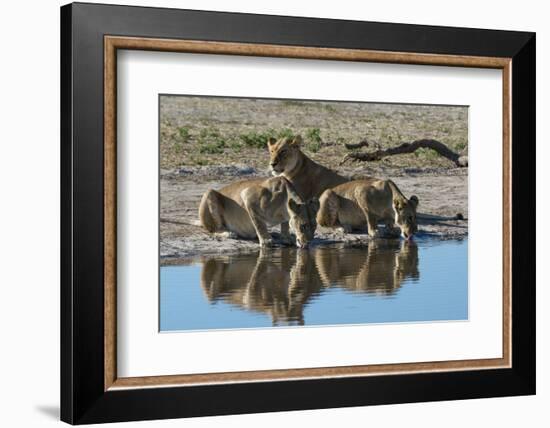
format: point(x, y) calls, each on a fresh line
point(227, 235)
point(268, 242)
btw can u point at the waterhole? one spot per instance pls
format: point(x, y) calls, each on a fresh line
point(387, 281)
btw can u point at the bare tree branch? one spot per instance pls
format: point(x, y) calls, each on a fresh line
point(442, 149)
point(351, 146)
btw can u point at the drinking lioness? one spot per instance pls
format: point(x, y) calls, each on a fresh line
point(357, 203)
point(247, 207)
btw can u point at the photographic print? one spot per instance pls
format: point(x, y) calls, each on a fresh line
point(298, 213)
point(298, 183)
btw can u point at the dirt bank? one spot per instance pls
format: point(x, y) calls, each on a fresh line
point(443, 192)
point(208, 142)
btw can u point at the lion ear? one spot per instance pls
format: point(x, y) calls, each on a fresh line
point(271, 141)
point(414, 201)
point(398, 204)
point(297, 140)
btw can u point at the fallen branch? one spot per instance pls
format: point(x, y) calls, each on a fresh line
point(442, 149)
point(351, 146)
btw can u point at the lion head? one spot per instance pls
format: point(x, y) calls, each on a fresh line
point(283, 154)
point(405, 215)
point(303, 220)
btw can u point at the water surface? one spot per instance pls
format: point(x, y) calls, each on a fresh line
point(386, 281)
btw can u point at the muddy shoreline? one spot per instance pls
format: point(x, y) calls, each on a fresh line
point(208, 142)
point(443, 193)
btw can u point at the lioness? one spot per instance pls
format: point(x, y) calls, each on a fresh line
point(248, 207)
point(381, 268)
point(353, 204)
point(279, 282)
point(308, 177)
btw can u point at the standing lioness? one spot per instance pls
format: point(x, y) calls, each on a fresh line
point(248, 207)
point(353, 204)
point(308, 177)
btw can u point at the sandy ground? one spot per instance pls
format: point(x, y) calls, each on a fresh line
point(442, 193)
point(208, 142)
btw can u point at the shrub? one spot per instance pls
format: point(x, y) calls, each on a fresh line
point(184, 134)
point(255, 139)
point(215, 148)
point(314, 135)
point(284, 133)
point(460, 146)
point(313, 147)
point(259, 139)
point(426, 153)
point(211, 142)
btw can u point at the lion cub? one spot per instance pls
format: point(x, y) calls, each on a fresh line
point(353, 204)
point(248, 207)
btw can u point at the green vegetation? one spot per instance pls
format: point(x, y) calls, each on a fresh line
point(178, 148)
point(314, 135)
point(313, 147)
point(211, 142)
point(235, 145)
point(283, 133)
point(259, 139)
point(460, 146)
point(214, 134)
point(212, 148)
point(184, 134)
point(200, 161)
point(426, 153)
point(183, 137)
point(313, 138)
point(255, 139)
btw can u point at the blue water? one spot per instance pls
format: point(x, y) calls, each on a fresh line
point(390, 281)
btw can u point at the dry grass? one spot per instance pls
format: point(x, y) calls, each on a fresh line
point(222, 131)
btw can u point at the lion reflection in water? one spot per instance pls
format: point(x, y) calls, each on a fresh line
point(280, 282)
